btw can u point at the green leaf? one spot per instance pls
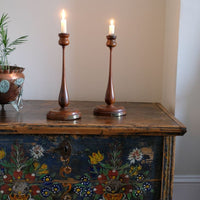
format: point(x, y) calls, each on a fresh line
point(133, 193)
point(4, 20)
point(7, 47)
point(7, 165)
point(125, 166)
point(78, 177)
point(106, 166)
point(97, 196)
point(18, 41)
point(129, 195)
point(146, 173)
point(141, 197)
point(43, 175)
point(37, 197)
point(29, 162)
point(5, 197)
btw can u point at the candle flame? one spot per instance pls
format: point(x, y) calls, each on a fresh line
point(112, 22)
point(63, 14)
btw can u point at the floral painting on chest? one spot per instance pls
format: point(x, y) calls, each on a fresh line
point(81, 168)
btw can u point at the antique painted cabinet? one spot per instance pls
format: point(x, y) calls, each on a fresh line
point(127, 158)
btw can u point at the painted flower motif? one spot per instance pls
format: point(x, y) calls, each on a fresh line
point(112, 174)
point(147, 186)
point(139, 167)
point(18, 174)
point(30, 177)
point(56, 188)
point(138, 192)
point(140, 177)
point(133, 170)
point(4, 189)
point(102, 178)
point(78, 190)
point(85, 180)
point(43, 169)
point(7, 179)
point(2, 154)
point(135, 155)
point(36, 165)
point(47, 180)
point(99, 189)
point(45, 192)
point(37, 151)
point(127, 189)
point(124, 178)
point(35, 190)
point(88, 192)
point(96, 158)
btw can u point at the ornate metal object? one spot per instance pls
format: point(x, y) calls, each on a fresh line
point(11, 87)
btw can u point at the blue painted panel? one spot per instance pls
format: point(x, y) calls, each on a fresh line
point(80, 167)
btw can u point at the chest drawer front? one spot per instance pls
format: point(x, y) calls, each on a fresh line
point(80, 167)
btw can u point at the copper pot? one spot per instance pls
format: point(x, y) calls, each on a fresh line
point(11, 83)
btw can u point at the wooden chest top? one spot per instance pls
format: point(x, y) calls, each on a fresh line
point(142, 119)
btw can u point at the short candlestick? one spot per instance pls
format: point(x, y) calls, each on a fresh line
point(63, 113)
point(110, 109)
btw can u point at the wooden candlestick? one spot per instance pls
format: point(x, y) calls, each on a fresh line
point(63, 113)
point(110, 109)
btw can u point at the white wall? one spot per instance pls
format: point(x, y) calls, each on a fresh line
point(187, 102)
point(188, 88)
point(172, 13)
point(137, 60)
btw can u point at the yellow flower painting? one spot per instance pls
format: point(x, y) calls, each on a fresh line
point(95, 158)
point(2, 154)
point(43, 169)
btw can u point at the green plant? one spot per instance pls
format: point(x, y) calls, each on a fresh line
point(6, 47)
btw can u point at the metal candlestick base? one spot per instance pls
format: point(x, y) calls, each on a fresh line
point(64, 113)
point(110, 109)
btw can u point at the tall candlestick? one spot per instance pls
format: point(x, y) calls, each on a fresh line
point(64, 113)
point(63, 22)
point(110, 109)
point(111, 27)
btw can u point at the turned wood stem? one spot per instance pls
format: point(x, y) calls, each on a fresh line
point(110, 96)
point(63, 96)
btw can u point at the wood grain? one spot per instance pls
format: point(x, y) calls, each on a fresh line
point(142, 119)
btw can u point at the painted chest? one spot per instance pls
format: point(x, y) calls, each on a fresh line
point(95, 158)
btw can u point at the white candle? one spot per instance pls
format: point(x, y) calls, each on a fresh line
point(111, 27)
point(63, 22)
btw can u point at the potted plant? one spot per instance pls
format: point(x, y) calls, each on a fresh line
point(11, 77)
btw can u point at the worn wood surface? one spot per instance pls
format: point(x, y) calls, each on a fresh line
point(168, 168)
point(142, 119)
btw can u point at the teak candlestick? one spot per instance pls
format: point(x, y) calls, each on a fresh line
point(63, 113)
point(110, 109)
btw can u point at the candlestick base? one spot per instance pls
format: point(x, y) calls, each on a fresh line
point(64, 114)
point(109, 110)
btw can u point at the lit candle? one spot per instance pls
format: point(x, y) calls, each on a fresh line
point(63, 22)
point(111, 27)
